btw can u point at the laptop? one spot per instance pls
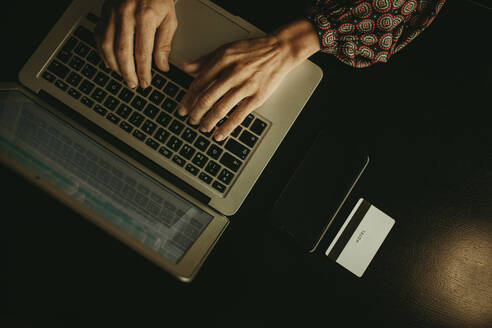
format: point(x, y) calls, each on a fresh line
point(124, 158)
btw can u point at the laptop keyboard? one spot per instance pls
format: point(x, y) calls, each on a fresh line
point(150, 115)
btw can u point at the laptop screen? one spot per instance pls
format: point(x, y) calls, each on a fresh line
point(143, 208)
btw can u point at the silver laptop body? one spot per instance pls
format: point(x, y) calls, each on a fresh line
point(220, 188)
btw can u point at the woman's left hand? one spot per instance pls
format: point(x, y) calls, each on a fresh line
point(243, 74)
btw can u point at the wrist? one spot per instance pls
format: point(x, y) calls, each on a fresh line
point(299, 39)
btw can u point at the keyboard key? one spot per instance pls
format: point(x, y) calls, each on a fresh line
point(226, 176)
point(156, 97)
point(100, 110)
point(247, 121)
point(258, 126)
point(49, 77)
point(58, 69)
point(163, 119)
point(61, 85)
point(70, 44)
point(64, 56)
point(139, 135)
point(74, 79)
point(187, 151)
point(144, 92)
point(101, 79)
point(116, 76)
point(179, 117)
point(200, 160)
point(126, 95)
point(93, 18)
point(152, 144)
point(177, 75)
point(171, 89)
point(218, 186)
point(230, 162)
point(174, 143)
point(86, 87)
point(102, 66)
point(139, 103)
point(213, 168)
point(158, 81)
point(166, 152)
point(219, 142)
point(74, 93)
point(208, 134)
point(113, 118)
point(189, 135)
point(93, 58)
point(192, 169)
point(178, 160)
point(205, 178)
point(169, 105)
point(85, 35)
point(248, 138)
point(89, 71)
point(214, 151)
point(202, 143)
point(98, 95)
point(151, 111)
point(82, 50)
point(136, 119)
point(237, 149)
point(180, 95)
point(124, 111)
point(111, 103)
point(126, 127)
point(76, 63)
point(162, 135)
point(86, 101)
point(113, 87)
point(149, 127)
point(176, 127)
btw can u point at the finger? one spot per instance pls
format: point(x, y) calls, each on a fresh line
point(99, 30)
point(124, 46)
point(211, 95)
point(107, 40)
point(222, 107)
point(163, 40)
point(144, 44)
point(208, 73)
point(246, 106)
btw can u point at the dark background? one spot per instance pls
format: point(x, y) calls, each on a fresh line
point(424, 119)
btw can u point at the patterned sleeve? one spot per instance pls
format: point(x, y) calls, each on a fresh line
point(363, 32)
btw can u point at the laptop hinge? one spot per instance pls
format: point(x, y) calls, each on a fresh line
point(120, 145)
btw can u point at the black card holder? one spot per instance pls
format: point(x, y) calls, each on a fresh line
point(321, 192)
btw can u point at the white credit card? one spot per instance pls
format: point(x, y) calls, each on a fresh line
point(360, 237)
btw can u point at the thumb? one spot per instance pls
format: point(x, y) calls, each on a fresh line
point(162, 46)
point(193, 67)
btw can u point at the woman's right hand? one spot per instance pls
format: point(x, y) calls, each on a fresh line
point(130, 31)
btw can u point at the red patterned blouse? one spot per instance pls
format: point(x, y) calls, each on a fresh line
point(363, 32)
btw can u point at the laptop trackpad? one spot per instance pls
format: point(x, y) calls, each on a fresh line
point(201, 29)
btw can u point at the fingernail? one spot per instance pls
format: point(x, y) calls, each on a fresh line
point(131, 85)
point(181, 111)
point(203, 129)
point(144, 84)
point(165, 65)
point(219, 137)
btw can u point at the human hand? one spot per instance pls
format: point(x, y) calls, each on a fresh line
point(243, 74)
point(130, 31)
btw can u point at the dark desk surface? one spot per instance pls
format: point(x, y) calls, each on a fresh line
point(424, 119)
